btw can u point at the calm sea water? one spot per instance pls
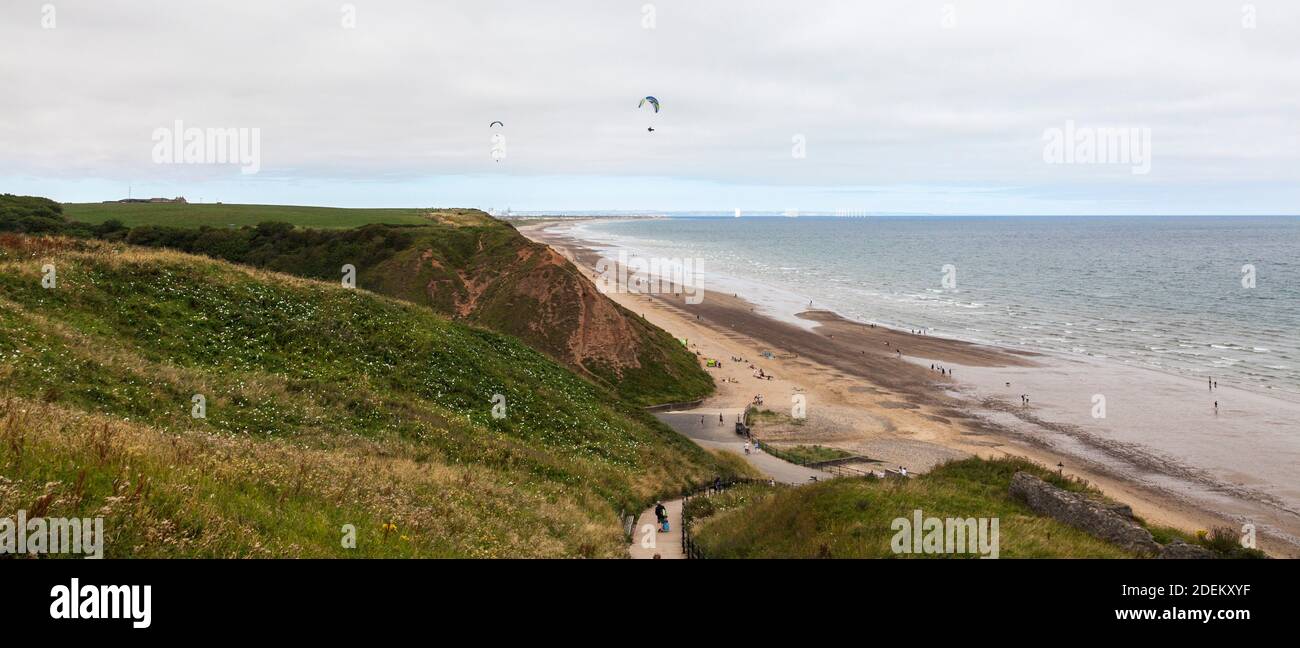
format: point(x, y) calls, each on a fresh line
point(1164, 292)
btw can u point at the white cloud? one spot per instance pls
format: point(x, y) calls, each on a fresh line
point(883, 93)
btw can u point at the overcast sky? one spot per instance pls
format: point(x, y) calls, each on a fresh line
point(905, 106)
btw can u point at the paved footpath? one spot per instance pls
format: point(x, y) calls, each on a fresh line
point(716, 435)
point(646, 542)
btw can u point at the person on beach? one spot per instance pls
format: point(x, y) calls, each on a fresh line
point(701, 420)
point(719, 418)
point(1216, 407)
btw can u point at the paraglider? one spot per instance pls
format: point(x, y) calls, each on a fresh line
point(653, 103)
point(498, 141)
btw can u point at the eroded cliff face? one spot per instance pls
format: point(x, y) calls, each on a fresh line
point(495, 277)
point(539, 296)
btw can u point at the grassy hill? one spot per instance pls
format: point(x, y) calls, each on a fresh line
point(213, 215)
point(324, 406)
point(461, 262)
point(851, 518)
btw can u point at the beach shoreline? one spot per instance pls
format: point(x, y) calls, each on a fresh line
point(871, 390)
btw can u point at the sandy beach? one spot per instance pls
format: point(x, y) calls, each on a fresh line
point(871, 390)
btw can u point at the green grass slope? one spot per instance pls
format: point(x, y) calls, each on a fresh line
point(851, 518)
point(461, 262)
point(194, 215)
point(324, 406)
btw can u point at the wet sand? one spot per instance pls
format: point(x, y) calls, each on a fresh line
point(870, 390)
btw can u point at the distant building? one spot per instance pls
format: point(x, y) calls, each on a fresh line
point(178, 199)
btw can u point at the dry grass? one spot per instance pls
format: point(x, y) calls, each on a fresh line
point(325, 407)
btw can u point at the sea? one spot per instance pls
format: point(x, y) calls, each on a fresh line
point(1204, 296)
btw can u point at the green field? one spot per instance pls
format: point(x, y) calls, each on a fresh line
point(324, 407)
point(805, 454)
point(212, 215)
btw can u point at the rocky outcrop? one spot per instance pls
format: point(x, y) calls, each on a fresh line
point(1178, 550)
point(1110, 522)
